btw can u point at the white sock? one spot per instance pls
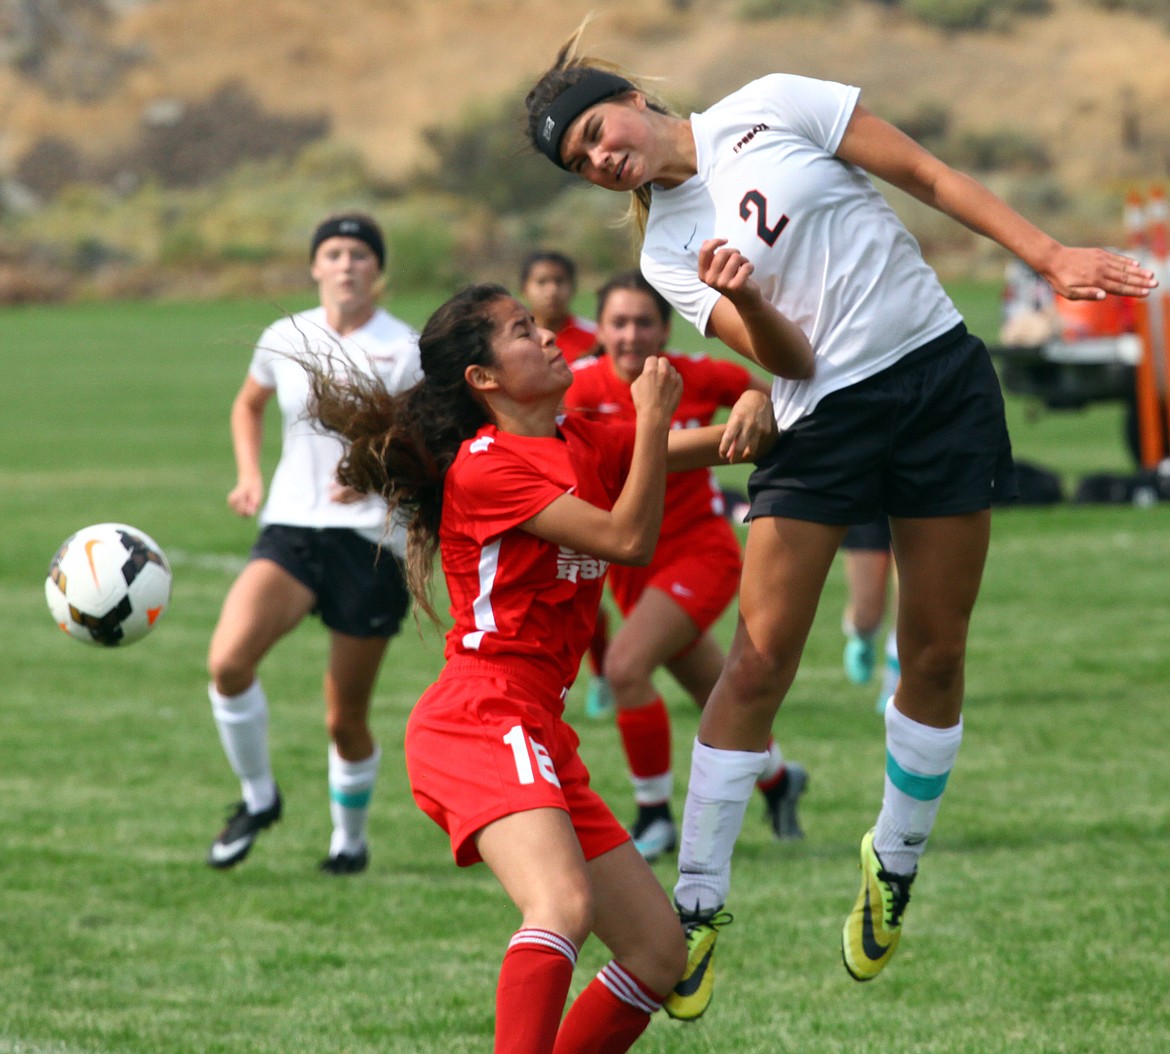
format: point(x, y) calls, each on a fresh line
point(653, 790)
point(720, 787)
point(243, 730)
point(918, 761)
point(351, 785)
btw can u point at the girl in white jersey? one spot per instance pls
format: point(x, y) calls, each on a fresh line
point(762, 227)
point(320, 548)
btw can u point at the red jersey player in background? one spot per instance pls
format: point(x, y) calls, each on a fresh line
point(670, 604)
point(548, 283)
point(526, 510)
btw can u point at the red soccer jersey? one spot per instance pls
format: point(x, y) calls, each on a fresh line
point(577, 338)
point(514, 595)
point(599, 394)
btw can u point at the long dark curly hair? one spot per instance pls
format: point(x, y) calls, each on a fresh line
point(400, 446)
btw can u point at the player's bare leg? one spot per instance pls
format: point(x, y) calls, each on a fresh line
point(537, 859)
point(264, 603)
point(353, 755)
point(785, 566)
point(940, 562)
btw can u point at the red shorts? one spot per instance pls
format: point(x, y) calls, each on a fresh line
point(483, 743)
point(698, 570)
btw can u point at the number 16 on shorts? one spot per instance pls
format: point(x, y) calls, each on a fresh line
point(525, 750)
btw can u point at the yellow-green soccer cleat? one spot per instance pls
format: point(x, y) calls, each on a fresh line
point(874, 926)
point(692, 995)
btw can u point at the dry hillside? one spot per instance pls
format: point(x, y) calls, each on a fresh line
point(384, 69)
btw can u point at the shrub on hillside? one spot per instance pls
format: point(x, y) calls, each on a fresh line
point(1152, 8)
point(944, 14)
point(50, 165)
point(485, 157)
point(1001, 149)
point(209, 138)
point(929, 124)
point(194, 145)
point(758, 10)
point(972, 14)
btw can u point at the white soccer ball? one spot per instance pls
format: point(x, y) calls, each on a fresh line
point(108, 584)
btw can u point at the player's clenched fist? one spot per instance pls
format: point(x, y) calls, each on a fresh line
point(657, 390)
point(723, 267)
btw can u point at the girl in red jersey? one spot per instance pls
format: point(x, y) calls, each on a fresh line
point(527, 510)
point(548, 283)
point(669, 605)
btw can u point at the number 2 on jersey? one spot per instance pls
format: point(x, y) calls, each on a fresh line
point(766, 233)
point(521, 744)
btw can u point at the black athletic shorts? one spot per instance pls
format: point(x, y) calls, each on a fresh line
point(360, 591)
point(925, 437)
point(868, 537)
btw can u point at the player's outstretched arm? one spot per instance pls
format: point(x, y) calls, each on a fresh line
point(1077, 273)
point(748, 434)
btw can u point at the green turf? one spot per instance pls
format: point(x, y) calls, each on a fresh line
point(1036, 921)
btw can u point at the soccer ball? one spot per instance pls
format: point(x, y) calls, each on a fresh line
point(108, 584)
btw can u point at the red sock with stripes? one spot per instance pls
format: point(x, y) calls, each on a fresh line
point(531, 992)
point(645, 736)
point(609, 1015)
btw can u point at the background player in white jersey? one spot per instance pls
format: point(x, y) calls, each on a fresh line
point(763, 228)
point(318, 550)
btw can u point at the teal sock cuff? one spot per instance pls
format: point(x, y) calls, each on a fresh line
point(360, 800)
point(914, 784)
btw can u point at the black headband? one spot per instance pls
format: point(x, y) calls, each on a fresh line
point(592, 88)
point(350, 227)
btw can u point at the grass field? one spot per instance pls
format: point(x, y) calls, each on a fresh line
point(1036, 921)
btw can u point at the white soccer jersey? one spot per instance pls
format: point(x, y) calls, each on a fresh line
point(299, 493)
point(828, 250)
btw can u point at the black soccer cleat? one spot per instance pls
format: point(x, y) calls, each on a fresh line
point(780, 803)
point(346, 863)
point(233, 843)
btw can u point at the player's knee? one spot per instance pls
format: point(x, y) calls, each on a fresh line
point(229, 673)
point(658, 959)
point(624, 670)
point(351, 736)
point(569, 912)
point(937, 668)
point(759, 678)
